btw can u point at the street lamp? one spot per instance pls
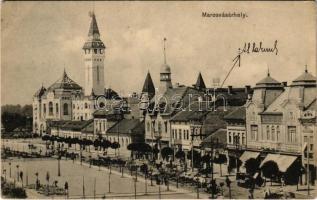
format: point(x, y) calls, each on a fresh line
point(59, 163)
point(18, 174)
point(135, 180)
point(197, 179)
point(10, 168)
point(5, 174)
point(236, 142)
point(151, 173)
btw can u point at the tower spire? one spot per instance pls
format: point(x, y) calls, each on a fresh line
point(306, 68)
point(268, 71)
point(164, 49)
point(93, 24)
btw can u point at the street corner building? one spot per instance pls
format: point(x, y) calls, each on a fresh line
point(278, 123)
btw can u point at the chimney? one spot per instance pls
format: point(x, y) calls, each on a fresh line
point(284, 84)
point(247, 89)
point(229, 89)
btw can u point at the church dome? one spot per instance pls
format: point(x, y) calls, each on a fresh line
point(165, 68)
point(65, 83)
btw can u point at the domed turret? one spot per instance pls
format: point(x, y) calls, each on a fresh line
point(305, 79)
point(165, 74)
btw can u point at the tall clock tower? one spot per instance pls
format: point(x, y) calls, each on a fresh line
point(94, 50)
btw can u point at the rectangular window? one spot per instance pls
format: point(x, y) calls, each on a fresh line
point(254, 132)
point(267, 132)
point(273, 133)
point(229, 138)
point(291, 134)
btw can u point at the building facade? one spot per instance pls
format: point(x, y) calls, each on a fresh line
point(275, 119)
point(65, 99)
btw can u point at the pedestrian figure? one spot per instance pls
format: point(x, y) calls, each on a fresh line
point(66, 188)
point(282, 182)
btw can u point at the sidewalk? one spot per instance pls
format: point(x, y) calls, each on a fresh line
point(173, 189)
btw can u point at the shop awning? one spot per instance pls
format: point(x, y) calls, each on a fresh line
point(247, 155)
point(283, 161)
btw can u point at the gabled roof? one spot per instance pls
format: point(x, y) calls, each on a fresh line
point(200, 82)
point(237, 114)
point(215, 120)
point(128, 126)
point(173, 99)
point(312, 105)
point(64, 83)
point(219, 136)
point(292, 95)
point(70, 125)
point(196, 111)
point(89, 128)
point(76, 125)
point(148, 86)
point(40, 92)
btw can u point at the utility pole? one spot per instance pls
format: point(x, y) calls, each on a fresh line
point(135, 188)
point(146, 184)
point(95, 188)
point(308, 175)
point(59, 164)
point(109, 176)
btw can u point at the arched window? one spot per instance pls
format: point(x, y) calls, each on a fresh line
point(50, 108)
point(65, 108)
point(56, 108)
point(268, 132)
point(148, 126)
point(86, 105)
point(159, 127)
point(96, 51)
point(44, 108)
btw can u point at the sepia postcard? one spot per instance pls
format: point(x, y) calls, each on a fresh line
point(158, 100)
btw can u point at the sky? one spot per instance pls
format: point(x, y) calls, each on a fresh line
point(40, 39)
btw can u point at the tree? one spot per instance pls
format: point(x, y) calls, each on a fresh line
point(97, 144)
point(105, 144)
point(46, 138)
point(196, 156)
point(220, 159)
point(166, 152)
point(75, 141)
point(89, 143)
point(15, 116)
point(115, 146)
point(180, 155)
point(270, 170)
point(251, 166)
